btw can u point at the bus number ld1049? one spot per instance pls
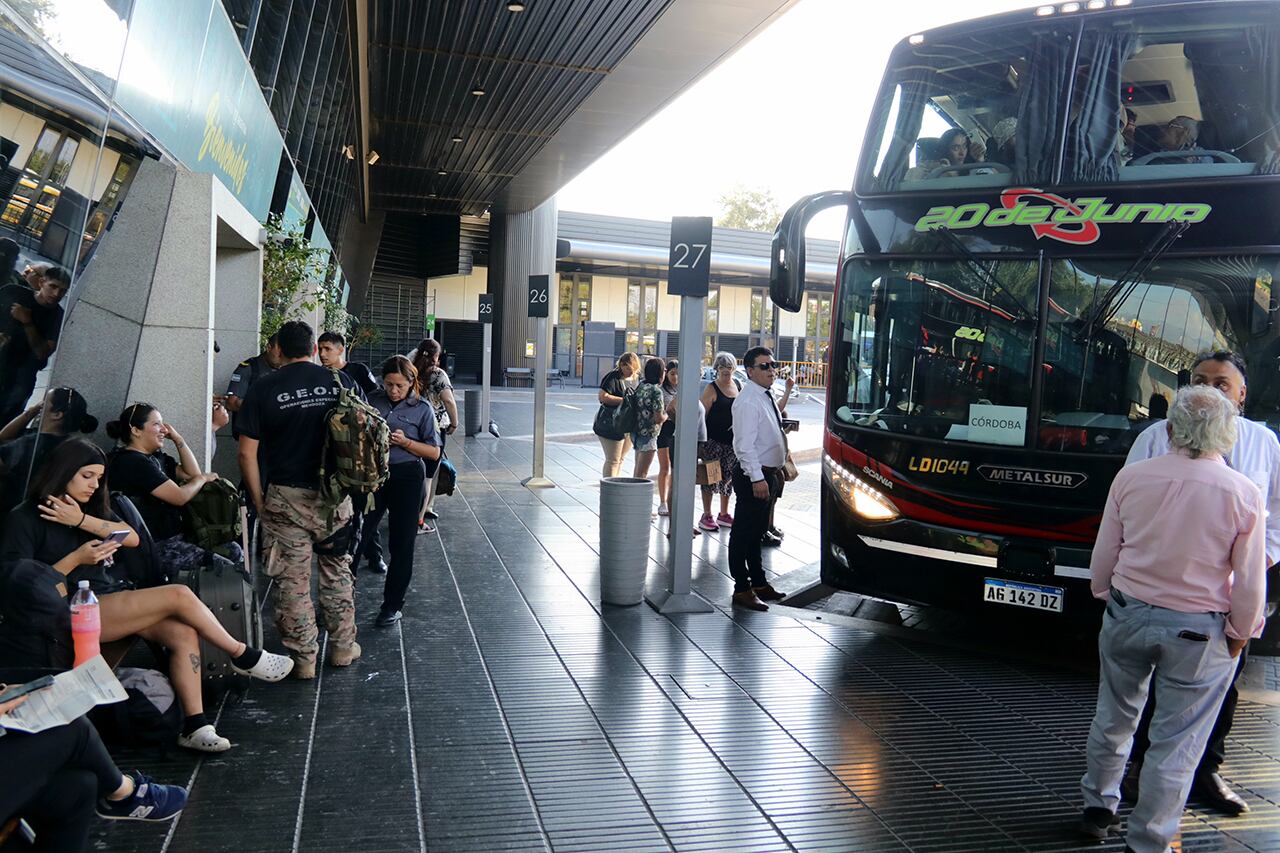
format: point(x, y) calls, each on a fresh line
point(931, 465)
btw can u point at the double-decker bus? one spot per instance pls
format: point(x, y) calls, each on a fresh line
point(1011, 314)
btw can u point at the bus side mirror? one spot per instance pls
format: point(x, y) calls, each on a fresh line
point(786, 256)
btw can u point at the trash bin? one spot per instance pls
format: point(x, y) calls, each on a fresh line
point(625, 506)
point(450, 364)
point(471, 412)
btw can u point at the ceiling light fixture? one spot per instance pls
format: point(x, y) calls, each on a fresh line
point(516, 6)
point(455, 139)
point(441, 172)
point(373, 157)
point(349, 152)
point(477, 90)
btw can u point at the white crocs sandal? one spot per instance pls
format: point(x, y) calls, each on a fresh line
point(204, 739)
point(270, 667)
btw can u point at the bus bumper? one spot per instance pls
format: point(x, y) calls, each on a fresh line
point(916, 563)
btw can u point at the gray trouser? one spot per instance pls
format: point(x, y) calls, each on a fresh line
point(1183, 658)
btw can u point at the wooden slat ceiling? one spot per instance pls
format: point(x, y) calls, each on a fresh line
point(537, 69)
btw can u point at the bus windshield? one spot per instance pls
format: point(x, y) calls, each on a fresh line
point(921, 343)
point(1147, 95)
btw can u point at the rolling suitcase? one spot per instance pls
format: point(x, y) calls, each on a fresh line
point(228, 592)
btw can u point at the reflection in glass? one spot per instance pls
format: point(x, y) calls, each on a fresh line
point(59, 164)
point(1114, 355)
point(923, 340)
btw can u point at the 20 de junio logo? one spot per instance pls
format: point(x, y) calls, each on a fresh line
point(1073, 221)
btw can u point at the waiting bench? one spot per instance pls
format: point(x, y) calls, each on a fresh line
point(525, 374)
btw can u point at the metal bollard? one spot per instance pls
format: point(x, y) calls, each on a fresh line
point(625, 506)
point(471, 411)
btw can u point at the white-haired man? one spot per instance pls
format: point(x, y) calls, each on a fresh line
point(1183, 598)
point(1256, 454)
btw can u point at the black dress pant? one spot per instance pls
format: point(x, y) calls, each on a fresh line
point(750, 520)
point(400, 498)
point(63, 773)
point(1215, 749)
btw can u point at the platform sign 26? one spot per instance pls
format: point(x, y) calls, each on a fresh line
point(539, 295)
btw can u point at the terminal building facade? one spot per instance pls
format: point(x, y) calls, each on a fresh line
point(159, 151)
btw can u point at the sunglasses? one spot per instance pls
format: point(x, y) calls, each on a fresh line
point(767, 365)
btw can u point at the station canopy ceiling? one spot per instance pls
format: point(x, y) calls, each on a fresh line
point(563, 81)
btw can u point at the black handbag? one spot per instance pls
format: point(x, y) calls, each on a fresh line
point(446, 477)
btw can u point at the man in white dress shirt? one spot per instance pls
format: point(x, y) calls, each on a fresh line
point(1256, 455)
point(761, 452)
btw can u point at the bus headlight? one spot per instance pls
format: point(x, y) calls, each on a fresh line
point(866, 502)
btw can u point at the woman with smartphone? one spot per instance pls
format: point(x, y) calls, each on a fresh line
point(67, 523)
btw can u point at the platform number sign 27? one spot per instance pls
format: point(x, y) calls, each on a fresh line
point(539, 295)
point(689, 265)
point(486, 308)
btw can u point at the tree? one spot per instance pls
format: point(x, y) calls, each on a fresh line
point(297, 279)
point(749, 209)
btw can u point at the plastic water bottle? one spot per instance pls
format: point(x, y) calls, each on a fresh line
point(86, 624)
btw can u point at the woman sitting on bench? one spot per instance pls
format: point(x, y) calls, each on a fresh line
point(159, 485)
point(67, 523)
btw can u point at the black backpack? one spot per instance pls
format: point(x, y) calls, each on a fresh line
point(626, 417)
point(139, 566)
point(151, 716)
point(212, 517)
point(35, 621)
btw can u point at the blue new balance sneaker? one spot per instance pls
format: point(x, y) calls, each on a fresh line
point(149, 801)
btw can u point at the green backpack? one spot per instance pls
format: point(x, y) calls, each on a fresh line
point(357, 448)
point(212, 517)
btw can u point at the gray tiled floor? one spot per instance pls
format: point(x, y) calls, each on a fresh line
point(510, 711)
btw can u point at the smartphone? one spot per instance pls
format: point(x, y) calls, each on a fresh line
point(117, 536)
point(17, 691)
point(790, 425)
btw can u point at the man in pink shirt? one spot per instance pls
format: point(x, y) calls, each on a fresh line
point(1180, 561)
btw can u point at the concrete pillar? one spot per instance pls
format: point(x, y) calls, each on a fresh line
point(180, 267)
point(359, 250)
point(520, 245)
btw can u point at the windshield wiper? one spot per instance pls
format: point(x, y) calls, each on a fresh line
point(1106, 307)
point(988, 277)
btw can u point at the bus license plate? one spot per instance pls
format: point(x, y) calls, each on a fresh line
point(1031, 595)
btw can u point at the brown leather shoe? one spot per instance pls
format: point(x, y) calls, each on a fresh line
point(1214, 791)
point(768, 593)
point(747, 599)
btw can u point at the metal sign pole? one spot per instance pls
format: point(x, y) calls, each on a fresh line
point(539, 294)
point(689, 276)
point(486, 367)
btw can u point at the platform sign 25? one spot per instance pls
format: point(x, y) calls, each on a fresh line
point(539, 295)
point(486, 308)
point(689, 264)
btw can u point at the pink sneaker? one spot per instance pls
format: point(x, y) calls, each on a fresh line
point(724, 519)
point(707, 522)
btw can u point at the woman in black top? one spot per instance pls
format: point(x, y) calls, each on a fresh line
point(614, 388)
point(63, 411)
point(718, 399)
point(158, 484)
point(66, 523)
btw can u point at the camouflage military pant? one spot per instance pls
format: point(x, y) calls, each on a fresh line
point(297, 523)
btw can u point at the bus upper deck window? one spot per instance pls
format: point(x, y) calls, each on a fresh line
point(977, 110)
point(1178, 93)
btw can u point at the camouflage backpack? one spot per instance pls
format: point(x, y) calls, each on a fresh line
point(357, 447)
point(212, 517)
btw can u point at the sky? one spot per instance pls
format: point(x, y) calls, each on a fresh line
point(785, 113)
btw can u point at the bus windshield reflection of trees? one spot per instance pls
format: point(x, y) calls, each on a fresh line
point(926, 339)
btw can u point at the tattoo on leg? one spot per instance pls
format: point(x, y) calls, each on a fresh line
point(195, 662)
